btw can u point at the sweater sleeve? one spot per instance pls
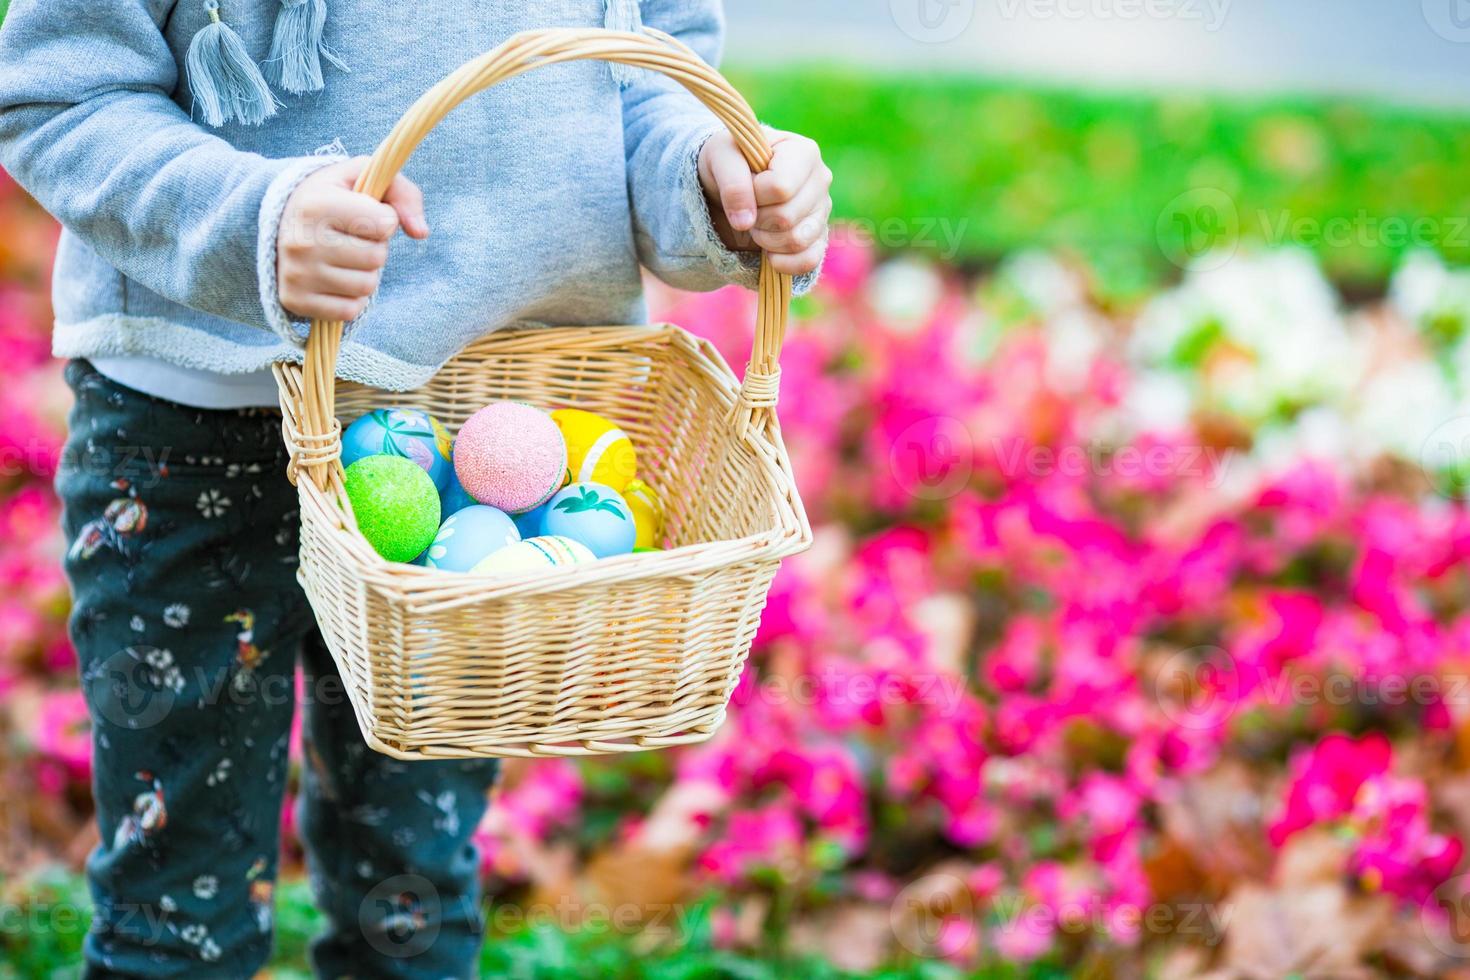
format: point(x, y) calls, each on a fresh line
point(89, 128)
point(665, 128)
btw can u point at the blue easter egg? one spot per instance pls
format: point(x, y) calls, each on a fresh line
point(470, 536)
point(405, 432)
point(453, 499)
point(531, 522)
point(595, 515)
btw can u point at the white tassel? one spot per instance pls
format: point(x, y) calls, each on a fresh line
point(297, 49)
point(224, 78)
point(623, 15)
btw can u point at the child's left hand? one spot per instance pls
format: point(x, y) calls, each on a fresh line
point(783, 211)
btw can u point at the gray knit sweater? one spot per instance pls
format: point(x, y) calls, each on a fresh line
point(544, 194)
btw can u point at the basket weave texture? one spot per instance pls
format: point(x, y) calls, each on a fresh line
point(624, 654)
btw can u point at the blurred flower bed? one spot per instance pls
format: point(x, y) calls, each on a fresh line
point(1133, 641)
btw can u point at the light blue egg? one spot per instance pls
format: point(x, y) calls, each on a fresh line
point(453, 499)
point(595, 515)
point(405, 432)
point(470, 536)
point(530, 523)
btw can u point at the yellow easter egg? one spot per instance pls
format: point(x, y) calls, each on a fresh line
point(597, 450)
point(648, 513)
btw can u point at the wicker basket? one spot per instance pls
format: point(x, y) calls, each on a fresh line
point(629, 653)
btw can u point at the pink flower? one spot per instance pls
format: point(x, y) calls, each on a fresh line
point(1326, 779)
point(65, 732)
point(767, 838)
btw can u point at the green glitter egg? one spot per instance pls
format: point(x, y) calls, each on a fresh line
point(396, 504)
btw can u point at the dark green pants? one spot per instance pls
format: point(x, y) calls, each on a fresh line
point(190, 626)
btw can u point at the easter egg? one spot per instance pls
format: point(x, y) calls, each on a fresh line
point(405, 432)
point(529, 523)
point(597, 450)
point(453, 499)
point(532, 554)
point(648, 513)
point(511, 456)
point(467, 537)
point(396, 505)
point(594, 514)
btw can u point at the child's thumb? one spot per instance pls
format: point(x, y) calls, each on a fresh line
point(407, 200)
point(736, 184)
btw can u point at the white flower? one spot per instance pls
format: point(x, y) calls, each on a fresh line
point(212, 503)
point(136, 624)
point(1400, 408)
point(206, 887)
point(904, 292)
point(176, 616)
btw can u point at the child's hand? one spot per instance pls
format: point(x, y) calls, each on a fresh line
point(333, 241)
point(783, 211)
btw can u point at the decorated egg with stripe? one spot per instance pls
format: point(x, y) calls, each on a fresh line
point(597, 450)
point(533, 554)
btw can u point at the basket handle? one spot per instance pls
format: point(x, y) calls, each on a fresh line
point(652, 49)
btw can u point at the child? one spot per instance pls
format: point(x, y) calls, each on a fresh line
point(177, 142)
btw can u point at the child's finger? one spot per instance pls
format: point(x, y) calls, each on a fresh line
point(731, 174)
point(807, 231)
point(808, 201)
point(360, 216)
point(349, 283)
point(405, 198)
point(793, 165)
point(801, 263)
point(355, 253)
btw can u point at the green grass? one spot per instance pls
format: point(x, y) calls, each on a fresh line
point(43, 921)
point(1011, 166)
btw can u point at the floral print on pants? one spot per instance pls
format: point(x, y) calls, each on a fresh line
point(189, 625)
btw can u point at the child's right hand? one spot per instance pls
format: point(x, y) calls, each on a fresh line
point(333, 241)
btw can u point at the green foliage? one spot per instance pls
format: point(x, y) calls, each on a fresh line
point(1136, 184)
point(46, 919)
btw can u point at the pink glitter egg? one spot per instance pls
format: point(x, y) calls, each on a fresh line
point(510, 455)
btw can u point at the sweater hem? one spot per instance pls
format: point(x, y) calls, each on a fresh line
point(115, 335)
